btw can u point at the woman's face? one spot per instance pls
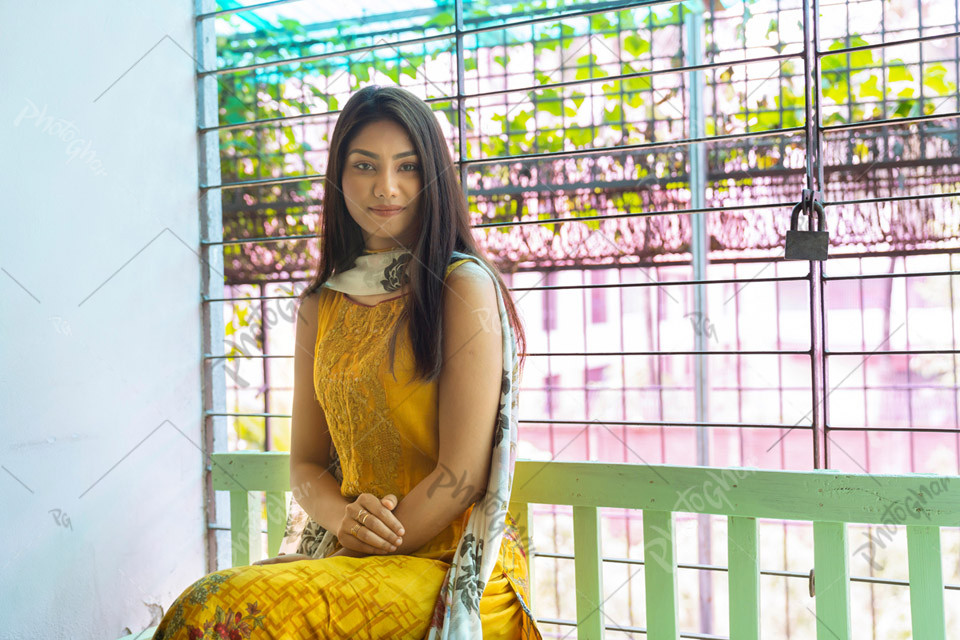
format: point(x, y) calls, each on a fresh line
point(381, 185)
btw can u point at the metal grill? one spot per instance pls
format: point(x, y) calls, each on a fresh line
point(573, 228)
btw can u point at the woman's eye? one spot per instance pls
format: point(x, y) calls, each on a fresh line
point(361, 165)
point(413, 166)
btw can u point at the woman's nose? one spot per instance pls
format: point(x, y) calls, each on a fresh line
point(386, 185)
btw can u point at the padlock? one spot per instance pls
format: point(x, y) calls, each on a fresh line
point(807, 245)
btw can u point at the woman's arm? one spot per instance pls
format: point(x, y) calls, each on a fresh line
point(469, 396)
point(313, 486)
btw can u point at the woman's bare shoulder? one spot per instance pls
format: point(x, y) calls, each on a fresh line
point(468, 269)
point(309, 306)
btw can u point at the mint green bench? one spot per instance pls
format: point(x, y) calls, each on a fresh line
point(828, 499)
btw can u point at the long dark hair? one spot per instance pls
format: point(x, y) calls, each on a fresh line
point(444, 228)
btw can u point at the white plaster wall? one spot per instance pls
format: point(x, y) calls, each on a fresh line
point(99, 317)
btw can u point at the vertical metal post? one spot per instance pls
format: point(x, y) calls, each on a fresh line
point(265, 367)
point(461, 91)
point(214, 428)
point(814, 180)
point(699, 246)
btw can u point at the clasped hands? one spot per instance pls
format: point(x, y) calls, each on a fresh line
point(368, 528)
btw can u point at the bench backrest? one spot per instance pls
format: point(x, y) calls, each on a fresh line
point(827, 499)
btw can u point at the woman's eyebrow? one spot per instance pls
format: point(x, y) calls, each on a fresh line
point(374, 155)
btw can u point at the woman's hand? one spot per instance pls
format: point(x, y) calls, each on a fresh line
point(380, 531)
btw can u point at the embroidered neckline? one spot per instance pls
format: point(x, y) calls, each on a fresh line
point(371, 306)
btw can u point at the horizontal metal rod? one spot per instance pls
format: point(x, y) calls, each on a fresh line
point(896, 352)
point(301, 117)
point(720, 568)
point(584, 354)
point(608, 8)
point(883, 276)
point(221, 527)
point(615, 423)
point(869, 124)
point(616, 151)
point(686, 387)
point(590, 286)
point(298, 118)
point(627, 214)
point(955, 431)
point(249, 7)
point(671, 425)
point(580, 354)
point(892, 43)
point(919, 196)
point(653, 423)
point(514, 223)
point(289, 120)
point(583, 153)
point(658, 283)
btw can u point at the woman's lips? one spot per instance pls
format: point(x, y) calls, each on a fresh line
point(386, 211)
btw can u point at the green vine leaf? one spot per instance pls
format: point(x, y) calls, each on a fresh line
point(898, 72)
point(636, 46)
point(869, 88)
point(933, 77)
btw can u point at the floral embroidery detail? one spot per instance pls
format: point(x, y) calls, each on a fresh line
point(206, 586)
point(440, 607)
point(347, 374)
point(501, 427)
point(229, 625)
point(470, 582)
point(198, 594)
point(395, 275)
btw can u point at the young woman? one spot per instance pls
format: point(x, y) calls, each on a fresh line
point(404, 414)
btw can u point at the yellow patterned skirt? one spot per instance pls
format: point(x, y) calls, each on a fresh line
point(378, 596)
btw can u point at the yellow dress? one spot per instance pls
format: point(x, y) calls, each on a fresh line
point(378, 596)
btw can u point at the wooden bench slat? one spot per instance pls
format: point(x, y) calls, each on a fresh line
point(926, 582)
point(826, 498)
point(245, 527)
point(276, 520)
point(660, 575)
point(743, 578)
point(830, 580)
point(523, 515)
point(588, 568)
point(823, 495)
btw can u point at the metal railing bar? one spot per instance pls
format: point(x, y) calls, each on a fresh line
point(868, 124)
point(512, 223)
point(582, 354)
point(723, 569)
point(919, 196)
point(300, 117)
point(616, 423)
point(589, 286)
point(575, 154)
point(954, 431)
point(594, 10)
point(873, 276)
point(892, 43)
